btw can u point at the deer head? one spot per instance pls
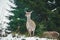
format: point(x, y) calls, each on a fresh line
point(28, 14)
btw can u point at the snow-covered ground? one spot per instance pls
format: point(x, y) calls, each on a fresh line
point(9, 37)
point(26, 38)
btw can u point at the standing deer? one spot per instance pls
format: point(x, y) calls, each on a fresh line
point(30, 24)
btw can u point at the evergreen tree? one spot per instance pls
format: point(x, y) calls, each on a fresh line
point(44, 18)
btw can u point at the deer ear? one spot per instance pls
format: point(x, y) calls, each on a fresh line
point(31, 11)
point(26, 12)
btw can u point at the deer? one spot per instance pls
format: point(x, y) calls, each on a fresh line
point(51, 34)
point(30, 24)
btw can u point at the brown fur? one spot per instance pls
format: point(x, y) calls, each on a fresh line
point(51, 34)
point(30, 24)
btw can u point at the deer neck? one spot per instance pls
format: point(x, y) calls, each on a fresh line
point(28, 18)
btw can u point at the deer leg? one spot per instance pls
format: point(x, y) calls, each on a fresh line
point(30, 33)
point(33, 33)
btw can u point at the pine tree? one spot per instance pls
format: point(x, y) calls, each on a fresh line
point(44, 18)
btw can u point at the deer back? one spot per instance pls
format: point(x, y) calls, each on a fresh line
point(51, 34)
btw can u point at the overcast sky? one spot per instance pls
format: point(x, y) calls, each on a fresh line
point(4, 5)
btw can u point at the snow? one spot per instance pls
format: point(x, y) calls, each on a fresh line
point(26, 38)
point(8, 31)
point(54, 9)
point(4, 13)
point(52, 2)
point(9, 37)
